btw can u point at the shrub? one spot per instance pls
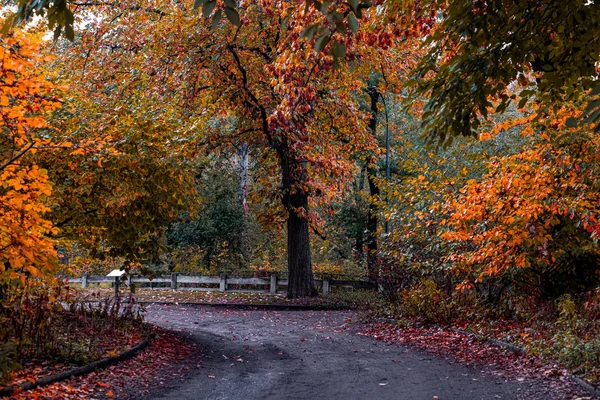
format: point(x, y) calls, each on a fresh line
point(43, 319)
point(574, 352)
point(425, 300)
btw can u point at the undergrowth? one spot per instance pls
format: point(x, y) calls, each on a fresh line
point(45, 321)
point(566, 330)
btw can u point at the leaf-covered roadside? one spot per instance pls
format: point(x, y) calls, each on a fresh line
point(563, 333)
point(567, 332)
point(46, 330)
point(469, 350)
point(136, 376)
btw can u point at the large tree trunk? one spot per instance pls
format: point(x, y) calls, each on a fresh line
point(295, 201)
point(374, 192)
point(300, 276)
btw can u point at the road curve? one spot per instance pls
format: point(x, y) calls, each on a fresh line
point(266, 354)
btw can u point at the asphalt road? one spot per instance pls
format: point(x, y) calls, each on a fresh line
point(266, 354)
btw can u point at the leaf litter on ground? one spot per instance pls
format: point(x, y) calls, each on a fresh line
point(161, 361)
point(469, 350)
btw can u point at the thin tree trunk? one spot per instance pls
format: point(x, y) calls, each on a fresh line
point(295, 201)
point(243, 152)
point(374, 192)
point(243, 156)
point(359, 251)
point(372, 223)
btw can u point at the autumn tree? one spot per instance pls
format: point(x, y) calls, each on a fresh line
point(26, 98)
point(285, 97)
point(532, 220)
point(296, 109)
point(384, 65)
point(126, 176)
point(483, 48)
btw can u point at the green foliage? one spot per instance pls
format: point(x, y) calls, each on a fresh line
point(220, 223)
point(575, 353)
point(425, 300)
point(343, 236)
point(352, 218)
point(481, 48)
point(222, 236)
point(574, 342)
point(567, 309)
point(58, 14)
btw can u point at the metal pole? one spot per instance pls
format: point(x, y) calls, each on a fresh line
point(386, 226)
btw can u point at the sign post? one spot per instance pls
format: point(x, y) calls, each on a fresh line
point(117, 273)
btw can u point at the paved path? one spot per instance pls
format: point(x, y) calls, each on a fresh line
point(265, 354)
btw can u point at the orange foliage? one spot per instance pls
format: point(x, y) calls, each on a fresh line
point(25, 97)
point(509, 219)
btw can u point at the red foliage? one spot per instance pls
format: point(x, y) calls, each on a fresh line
point(147, 369)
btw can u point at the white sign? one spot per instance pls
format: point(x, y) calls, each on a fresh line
point(116, 272)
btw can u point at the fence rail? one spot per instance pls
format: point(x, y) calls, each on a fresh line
point(270, 284)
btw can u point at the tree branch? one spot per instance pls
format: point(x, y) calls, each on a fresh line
point(262, 110)
point(19, 155)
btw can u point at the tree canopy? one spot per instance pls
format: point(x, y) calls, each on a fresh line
point(484, 54)
point(476, 52)
point(302, 87)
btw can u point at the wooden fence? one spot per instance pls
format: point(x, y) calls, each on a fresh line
point(271, 284)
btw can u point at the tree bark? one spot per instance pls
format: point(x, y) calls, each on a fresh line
point(295, 202)
point(242, 197)
point(300, 277)
point(374, 192)
point(243, 152)
point(372, 223)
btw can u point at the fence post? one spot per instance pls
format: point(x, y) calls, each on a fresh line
point(174, 281)
point(128, 280)
point(273, 287)
point(223, 283)
point(84, 280)
point(326, 285)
